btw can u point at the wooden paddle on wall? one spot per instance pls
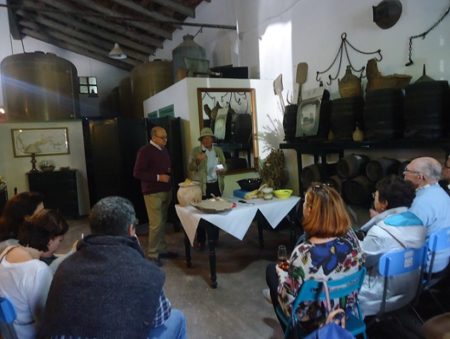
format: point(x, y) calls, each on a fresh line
point(278, 89)
point(302, 75)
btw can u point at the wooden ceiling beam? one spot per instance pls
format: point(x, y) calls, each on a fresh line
point(142, 10)
point(73, 42)
point(177, 7)
point(119, 30)
point(81, 51)
point(79, 35)
point(152, 29)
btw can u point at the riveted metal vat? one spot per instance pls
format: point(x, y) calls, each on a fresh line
point(148, 79)
point(39, 87)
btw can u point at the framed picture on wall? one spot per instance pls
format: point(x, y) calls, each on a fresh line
point(40, 141)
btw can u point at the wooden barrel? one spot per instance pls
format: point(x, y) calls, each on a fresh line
point(316, 173)
point(379, 168)
point(427, 105)
point(345, 114)
point(358, 191)
point(383, 114)
point(352, 165)
point(336, 182)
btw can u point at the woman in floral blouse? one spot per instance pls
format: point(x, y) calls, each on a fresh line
point(330, 251)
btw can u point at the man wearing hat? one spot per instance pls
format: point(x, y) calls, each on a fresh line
point(207, 165)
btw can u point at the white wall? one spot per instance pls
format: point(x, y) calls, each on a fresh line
point(310, 31)
point(14, 170)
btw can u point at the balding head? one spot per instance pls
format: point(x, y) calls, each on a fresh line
point(423, 171)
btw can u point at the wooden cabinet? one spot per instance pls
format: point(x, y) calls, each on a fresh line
point(59, 189)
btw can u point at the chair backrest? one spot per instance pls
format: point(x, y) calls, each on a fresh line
point(437, 242)
point(7, 317)
point(312, 289)
point(398, 262)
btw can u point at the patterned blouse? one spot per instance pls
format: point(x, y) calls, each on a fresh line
point(327, 261)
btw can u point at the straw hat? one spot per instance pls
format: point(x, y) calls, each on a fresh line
point(206, 132)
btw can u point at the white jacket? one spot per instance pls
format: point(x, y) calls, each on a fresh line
point(407, 228)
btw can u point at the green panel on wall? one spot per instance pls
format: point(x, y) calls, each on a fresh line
point(167, 112)
point(152, 115)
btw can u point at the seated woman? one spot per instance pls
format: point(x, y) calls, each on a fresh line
point(56, 229)
point(330, 251)
point(16, 209)
point(24, 279)
point(399, 229)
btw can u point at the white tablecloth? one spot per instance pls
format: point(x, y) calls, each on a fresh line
point(238, 219)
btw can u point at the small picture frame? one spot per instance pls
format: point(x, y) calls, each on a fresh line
point(40, 141)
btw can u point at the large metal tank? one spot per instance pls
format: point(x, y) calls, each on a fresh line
point(39, 87)
point(188, 48)
point(125, 99)
point(148, 79)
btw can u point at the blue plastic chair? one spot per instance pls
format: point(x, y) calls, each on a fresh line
point(312, 290)
point(399, 262)
point(7, 317)
point(437, 242)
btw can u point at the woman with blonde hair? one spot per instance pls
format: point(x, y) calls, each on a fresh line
point(330, 251)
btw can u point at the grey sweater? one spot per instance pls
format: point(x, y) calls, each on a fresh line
point(107, 289)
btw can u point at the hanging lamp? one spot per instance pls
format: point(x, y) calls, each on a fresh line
point(117, 53)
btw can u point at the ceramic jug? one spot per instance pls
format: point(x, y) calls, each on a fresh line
point(349, 85)
point(187, 194)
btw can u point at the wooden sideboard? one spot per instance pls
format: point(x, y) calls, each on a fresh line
point(59, 189)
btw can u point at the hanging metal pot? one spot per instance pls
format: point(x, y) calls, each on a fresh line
point(387, 13)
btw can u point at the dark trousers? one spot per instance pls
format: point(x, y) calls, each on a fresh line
point(211, 188)
point(272, 283)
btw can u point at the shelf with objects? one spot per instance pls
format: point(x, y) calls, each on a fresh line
point(390, 115)
point(320, 149)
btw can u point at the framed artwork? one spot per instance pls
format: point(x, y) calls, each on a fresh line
point(231, 114)
point(40, 141)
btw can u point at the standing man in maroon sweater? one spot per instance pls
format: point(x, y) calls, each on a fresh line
point(153, 169)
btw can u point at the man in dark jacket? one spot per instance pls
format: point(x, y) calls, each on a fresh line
point(107, 289)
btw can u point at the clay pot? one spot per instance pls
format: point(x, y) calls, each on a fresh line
point(188, 194)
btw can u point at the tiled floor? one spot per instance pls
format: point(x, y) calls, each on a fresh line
point(236, 309)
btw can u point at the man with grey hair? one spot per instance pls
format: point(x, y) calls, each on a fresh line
point(431, 204)
point(107, 289)
point(153, 169)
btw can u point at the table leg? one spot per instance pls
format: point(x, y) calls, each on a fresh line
point(260, 222)
point(212, 253)
point(260, 234)
point(187, 250)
